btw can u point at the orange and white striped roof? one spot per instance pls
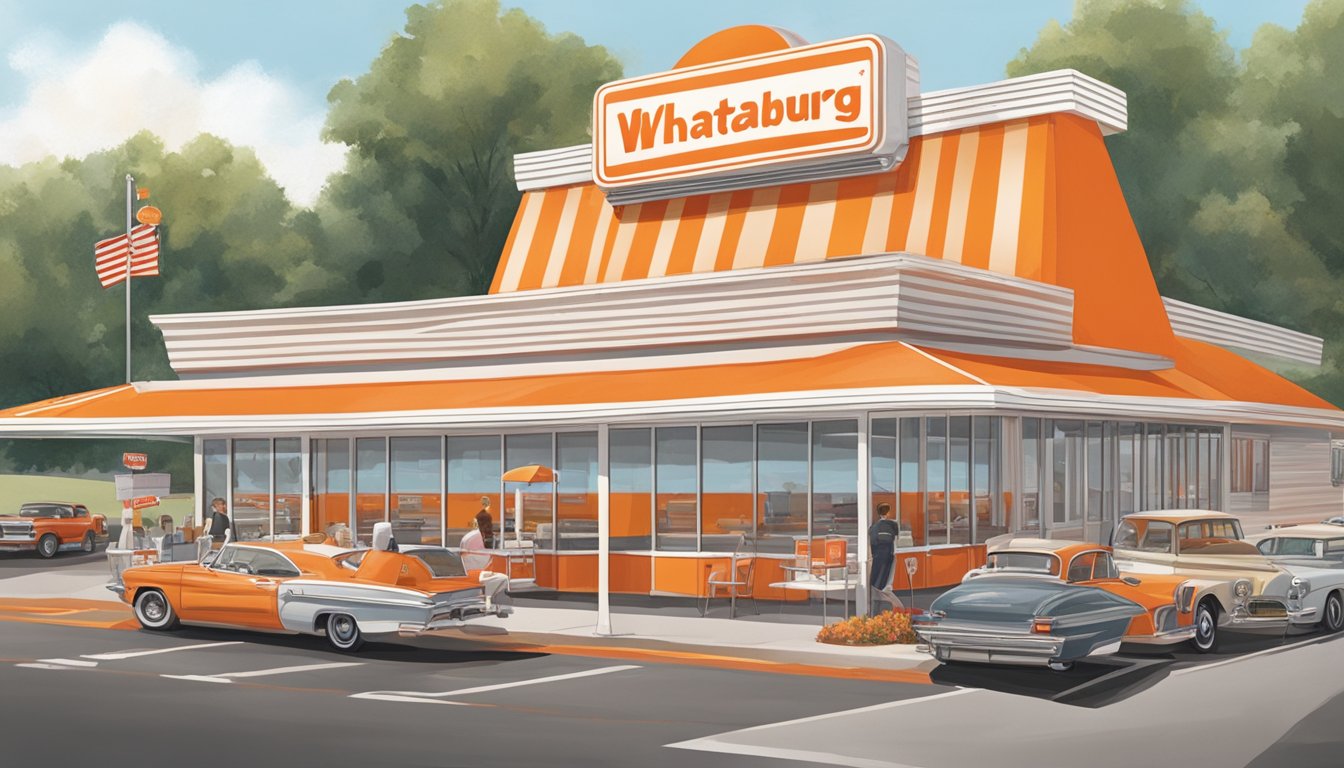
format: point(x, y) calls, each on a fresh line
point(973, 196)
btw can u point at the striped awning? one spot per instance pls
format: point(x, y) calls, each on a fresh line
point(976, 196)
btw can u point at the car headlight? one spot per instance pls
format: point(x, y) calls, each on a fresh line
point(1301, 587)
point(1241, 590)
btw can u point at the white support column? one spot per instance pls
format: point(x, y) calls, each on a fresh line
point(865, 515)
point(603, 531)
point(306, 473)
point(1225, 470)
point(198, 488)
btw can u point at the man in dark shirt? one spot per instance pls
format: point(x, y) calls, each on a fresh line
point(219, 520)
point(882, 549)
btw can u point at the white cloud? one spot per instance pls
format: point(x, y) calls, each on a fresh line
point(82, 101)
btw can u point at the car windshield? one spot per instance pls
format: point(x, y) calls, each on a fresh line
point(1153, 536)
point(1199, 535)
point(43, 510)
point(1039, 562)
point(1296, 547)
point(443, 563)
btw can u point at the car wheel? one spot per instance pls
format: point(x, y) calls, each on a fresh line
point(48, 546)
point(343, 633)
point(87, 545)
point(1206, 628)
point(1060, 666)
point(1332, 619)
point(153, 610)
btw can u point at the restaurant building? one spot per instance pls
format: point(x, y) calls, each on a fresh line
point(781, 287)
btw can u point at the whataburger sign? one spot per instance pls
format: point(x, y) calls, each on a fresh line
point(799, 107)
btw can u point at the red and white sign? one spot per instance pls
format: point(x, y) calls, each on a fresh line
point(135, 460)
point(802, 105)
point(144, 502)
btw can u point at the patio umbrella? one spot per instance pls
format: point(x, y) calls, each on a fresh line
point(531, 473)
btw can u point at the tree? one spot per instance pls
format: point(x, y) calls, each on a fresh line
point(425, 204)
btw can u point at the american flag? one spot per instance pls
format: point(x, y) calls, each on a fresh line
point(110, 255)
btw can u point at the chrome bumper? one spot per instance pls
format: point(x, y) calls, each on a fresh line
point(117, 587)
point(1170, 637)
point(989, 647)
point(1242, 619)
point(458, 617)
point(1303, 616)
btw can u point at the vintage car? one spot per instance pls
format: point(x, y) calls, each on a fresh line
point(1023, 619)
point(1199, 544)
point(315, 589)
point(1168, 601)
point(48, 527)
point(1314, 555)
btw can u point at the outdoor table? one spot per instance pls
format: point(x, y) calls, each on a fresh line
point(809, 582)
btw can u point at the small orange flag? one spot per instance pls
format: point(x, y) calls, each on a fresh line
point(141, 194)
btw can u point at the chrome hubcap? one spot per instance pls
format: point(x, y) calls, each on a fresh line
point(1332, 610)
point(153, 608)
point(1205, 627)
point(344, 628)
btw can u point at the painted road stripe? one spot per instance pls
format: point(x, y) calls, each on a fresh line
point(422, 696)
point(70, 662)
point(40, 665)
point(410, 699)
point(229, 677)
point(138, 652)
point(1244, 657)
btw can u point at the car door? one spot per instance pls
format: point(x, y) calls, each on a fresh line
point(238, 588)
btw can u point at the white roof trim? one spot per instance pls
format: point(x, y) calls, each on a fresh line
point(1065, 90)
point(1241, 334)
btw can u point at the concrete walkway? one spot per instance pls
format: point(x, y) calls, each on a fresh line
point(533, 626)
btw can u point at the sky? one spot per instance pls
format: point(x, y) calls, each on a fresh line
point(82, 75)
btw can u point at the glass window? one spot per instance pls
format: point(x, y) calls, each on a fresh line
point(215, 456)
point(251, 489)
point(912, 497)
point(1296, 546)
point(1040, 562)
point(576, 494)
point(1105, 567)
point(1128, 471)
point(631, 489)
point(935, 478)
point(1031, 475)
point(727, 507)
point(991, 508)
point(1154, 466)
point(416, 489)
point(959, 477)
point(331, 484)
point(259, 562)
point(835, 479)
point(781, 480)
point(1215, 469)
point(1337, 464)
point(883, 442)
point(1126, 535)
point(441, 562)
point(1067, 449)
point(675, 488)
point(370, 486)
point(1193, 460)
point(473, 467)
point(1157, 537)
point(288, 487)
point(1080, 569)
point(1095, 469)
point(1250, 465)
point(537, 515)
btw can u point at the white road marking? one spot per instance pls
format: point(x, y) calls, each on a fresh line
point(426, 697)
point(229, 677)
point(134, 653)
point(69, 662)
point(1246, 656)
point(713, 744)
point(40, 665)
point(411, 699)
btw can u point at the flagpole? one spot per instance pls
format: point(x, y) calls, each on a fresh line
point(130, 248)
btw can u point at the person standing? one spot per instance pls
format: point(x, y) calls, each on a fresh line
point(219, 520)
point(882, 549)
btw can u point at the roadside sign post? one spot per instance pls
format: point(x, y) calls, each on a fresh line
point(911, 567)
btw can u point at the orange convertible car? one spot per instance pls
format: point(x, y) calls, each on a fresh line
point(345, 595)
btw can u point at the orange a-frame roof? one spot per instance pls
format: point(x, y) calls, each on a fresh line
point(1204, 378)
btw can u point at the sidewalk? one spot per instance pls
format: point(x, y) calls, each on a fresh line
point(757, 643)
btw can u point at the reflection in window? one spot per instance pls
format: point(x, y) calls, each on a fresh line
point(1250, 465)
point(416, 467)
point(992, 509)
point(935, 478)
point(835, 476)
point(331, 483)
point(959, 478)
point(251, 489)
point(1031, 475)
point(912, 499)
point(631, 489)
point(370, 486)
point(288, 487)
point(576, 494)
point(215, 455)
point(675, 487)
point(883, 442)
point(521, 451)
point(474, 466)
point(781, 478)
point(727, 506)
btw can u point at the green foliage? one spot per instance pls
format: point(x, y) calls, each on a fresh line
point(1233, 168)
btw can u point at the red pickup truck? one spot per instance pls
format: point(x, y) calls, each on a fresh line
point(50, 527)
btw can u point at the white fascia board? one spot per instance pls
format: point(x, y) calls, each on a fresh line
point(884, 294)
point(1060, 91)
point(810, 404)
point(1240, 334)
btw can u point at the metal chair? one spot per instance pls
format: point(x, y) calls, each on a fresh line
point(737, 582)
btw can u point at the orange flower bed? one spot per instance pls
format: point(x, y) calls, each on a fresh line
point(882, 629)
